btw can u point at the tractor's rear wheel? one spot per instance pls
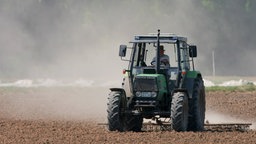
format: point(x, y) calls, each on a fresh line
point(179, 111)
point(116, 106)
point(197, 107)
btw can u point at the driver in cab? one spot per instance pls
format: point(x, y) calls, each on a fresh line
point(164, 59)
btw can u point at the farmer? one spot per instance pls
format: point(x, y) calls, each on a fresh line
point(164, 59)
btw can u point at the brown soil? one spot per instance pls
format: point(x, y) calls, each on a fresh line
point(60, 115)
point(240, 105)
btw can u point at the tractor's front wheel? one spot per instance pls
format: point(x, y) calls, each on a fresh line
point(179, 111)
point(116, 106)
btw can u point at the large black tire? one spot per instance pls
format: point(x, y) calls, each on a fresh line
point(179, 111)
point(197, 107)
point(116, 104)
point(134, 123)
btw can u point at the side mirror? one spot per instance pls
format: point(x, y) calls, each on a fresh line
point(122, 50)
point(192, 51)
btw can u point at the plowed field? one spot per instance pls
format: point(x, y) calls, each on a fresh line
point(70, 115)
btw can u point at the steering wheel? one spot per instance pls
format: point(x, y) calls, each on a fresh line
point(161, 63)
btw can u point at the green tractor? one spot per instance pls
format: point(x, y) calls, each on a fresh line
point(154, 90)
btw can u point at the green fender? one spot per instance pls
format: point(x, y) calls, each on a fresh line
point(189, 81)
point(193, 74)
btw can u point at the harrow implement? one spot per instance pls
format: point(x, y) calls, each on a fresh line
point(228, 127)
point(220, 127)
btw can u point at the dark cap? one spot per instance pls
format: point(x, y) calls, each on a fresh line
point(161, 47)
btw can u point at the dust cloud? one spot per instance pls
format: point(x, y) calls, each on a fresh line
point(213, 117)
point(56, 103)
point(80, 39)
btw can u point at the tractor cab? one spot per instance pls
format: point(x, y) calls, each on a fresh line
point(145, 51)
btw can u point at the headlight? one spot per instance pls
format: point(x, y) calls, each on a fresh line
point(146, 94)
point(153, 94)
point(138, 94)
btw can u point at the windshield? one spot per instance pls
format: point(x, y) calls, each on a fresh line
point(145, 53)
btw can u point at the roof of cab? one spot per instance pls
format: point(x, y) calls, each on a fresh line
point(163, 38)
